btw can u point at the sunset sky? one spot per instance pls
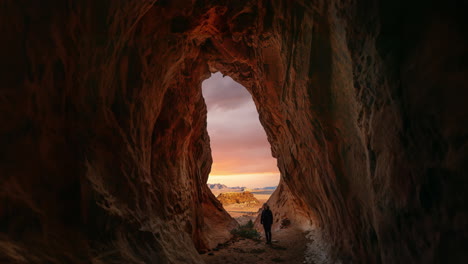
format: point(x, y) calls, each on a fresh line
point(240, 150)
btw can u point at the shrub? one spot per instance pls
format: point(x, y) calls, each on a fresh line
point(249, 225)
point(246, 231)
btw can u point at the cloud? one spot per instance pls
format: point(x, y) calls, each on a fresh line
point(223, 93)
point(238, 141)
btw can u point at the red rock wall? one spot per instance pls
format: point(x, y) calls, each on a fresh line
point(104, 128)
point(286, 206)
point(105, 152)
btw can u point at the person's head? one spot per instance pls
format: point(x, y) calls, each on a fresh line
point(266, 206)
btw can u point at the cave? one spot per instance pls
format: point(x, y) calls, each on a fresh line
point(105, 153)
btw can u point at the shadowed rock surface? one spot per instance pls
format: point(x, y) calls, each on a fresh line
point(104, 151)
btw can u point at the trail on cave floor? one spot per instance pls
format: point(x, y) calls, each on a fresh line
point(289, 246)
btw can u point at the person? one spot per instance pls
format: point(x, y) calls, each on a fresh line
point(267, 220)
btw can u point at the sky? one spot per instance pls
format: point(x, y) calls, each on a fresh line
point(240, 149)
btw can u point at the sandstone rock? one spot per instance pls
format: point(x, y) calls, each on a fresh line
point(104, 152)
point(285, 205)
point(245, 198)
point(285, 223)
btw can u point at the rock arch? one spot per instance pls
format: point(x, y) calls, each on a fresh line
point(104, 136)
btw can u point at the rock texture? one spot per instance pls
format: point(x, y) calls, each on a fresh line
point(105, 154)
point(285, 205)
point(246, 198)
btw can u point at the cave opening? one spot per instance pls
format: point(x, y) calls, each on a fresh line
point(244, 173)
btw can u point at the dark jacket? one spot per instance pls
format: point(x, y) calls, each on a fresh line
point(267, 217)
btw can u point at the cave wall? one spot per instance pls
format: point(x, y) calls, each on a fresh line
point(104, 127)
point(406, 81)
point(361, 103)
point(105, 153)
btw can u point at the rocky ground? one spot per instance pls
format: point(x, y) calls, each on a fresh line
point(289, 246)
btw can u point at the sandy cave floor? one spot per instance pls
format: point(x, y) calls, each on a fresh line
point(288, 246)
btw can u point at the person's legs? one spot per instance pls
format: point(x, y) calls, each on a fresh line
point(267, 233)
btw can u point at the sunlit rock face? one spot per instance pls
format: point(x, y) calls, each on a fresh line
point(105, 153)
point(285, 206)
point(246, 198)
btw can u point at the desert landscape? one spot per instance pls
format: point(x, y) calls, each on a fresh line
point(293, 243)
point(245, 210)
point(243, 204)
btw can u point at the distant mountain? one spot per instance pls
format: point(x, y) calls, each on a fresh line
point(237, 187)
point(267, 188)
point(217, 186)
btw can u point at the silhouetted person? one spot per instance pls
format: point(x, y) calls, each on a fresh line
point(267, 220)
